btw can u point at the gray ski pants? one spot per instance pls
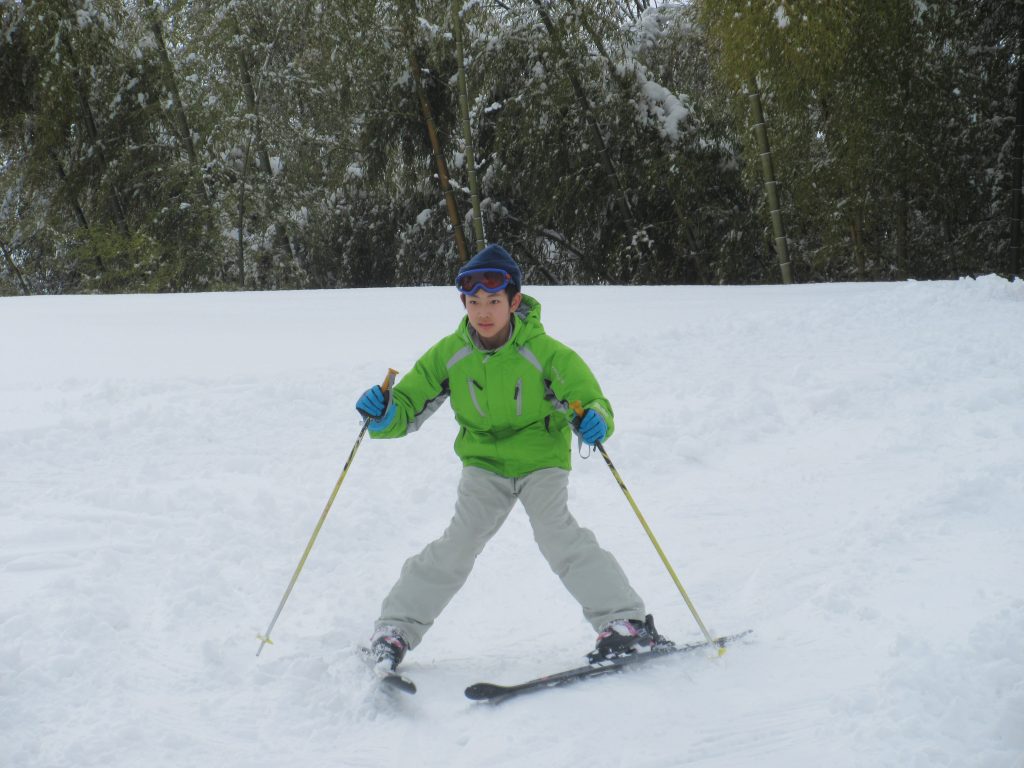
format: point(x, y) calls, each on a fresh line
point(430, 579)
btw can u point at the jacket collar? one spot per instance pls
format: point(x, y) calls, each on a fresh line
point(523, 327)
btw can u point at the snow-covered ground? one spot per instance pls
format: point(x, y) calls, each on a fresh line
point(838, 467)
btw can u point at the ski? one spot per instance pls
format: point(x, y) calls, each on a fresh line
point(498, 693)
point(396, 680)
point(389, 678)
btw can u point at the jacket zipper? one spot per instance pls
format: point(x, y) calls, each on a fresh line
point(519, 397)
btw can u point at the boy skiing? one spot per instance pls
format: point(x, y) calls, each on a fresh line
point(510, 386)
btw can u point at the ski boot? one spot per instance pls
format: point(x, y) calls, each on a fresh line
point(624, 637)
point(388, 647)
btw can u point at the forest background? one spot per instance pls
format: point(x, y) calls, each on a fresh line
point(260, 144)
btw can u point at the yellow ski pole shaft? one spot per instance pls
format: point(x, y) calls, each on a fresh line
point(264, 639)
point(578, 408)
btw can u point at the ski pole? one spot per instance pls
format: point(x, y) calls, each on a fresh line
point(389, 381)
point(578, 409)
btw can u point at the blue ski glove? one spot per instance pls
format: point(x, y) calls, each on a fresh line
point(376, 406)
point(379, 425)
point(592, 428)
point(372, 402)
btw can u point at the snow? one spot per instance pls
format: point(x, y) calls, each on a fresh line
point(658, 105)
point(838, 467)
point(781, 17)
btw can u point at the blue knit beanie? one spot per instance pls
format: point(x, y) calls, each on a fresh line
point(496, 257)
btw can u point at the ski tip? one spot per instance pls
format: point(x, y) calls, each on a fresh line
point(483, 691)
point(403, 684)
point(387, 676)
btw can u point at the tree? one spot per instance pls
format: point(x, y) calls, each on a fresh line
point(256, 144)
point(885, 125)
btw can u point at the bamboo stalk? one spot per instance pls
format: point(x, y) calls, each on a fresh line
point(1018, 166)
point(13, 266)
point(608, 165)
point(467, 132)
point(770, 184)
point(442, 166)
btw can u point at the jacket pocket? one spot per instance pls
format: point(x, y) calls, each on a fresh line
point(473, 387)
point(519, 397)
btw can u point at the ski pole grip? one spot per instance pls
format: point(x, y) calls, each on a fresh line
point(577, 408)
point(389, 380)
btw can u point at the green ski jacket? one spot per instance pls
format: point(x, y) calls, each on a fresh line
point(511, 403)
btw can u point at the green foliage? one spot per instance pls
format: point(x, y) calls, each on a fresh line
point(257, 144)
point(881, 117)
point(107, 261)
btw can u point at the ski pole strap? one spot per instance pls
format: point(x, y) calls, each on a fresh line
point(577, 407)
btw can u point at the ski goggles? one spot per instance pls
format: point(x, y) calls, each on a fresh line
point(490, 280)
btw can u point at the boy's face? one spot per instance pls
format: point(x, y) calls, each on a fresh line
point(490, 314)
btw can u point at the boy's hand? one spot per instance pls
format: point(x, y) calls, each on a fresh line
point(375, 406)
point(592, 428)
point(372, 403)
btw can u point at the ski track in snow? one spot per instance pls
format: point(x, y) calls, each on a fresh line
point(838, 467)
